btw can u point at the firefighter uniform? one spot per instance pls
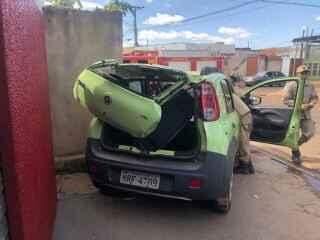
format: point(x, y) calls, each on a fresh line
point(245, 130)
point(310, 99)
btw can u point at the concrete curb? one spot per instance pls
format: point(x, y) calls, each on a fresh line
point(276, 153)
point(273, 150)
point(70, 163)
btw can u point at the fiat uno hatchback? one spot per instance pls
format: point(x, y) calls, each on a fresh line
point(162, 132)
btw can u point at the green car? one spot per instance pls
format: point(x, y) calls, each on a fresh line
point(164, 132)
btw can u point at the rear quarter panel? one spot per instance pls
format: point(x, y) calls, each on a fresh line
point(223, 134)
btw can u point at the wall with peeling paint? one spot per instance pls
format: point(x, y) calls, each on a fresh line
point(75, 39)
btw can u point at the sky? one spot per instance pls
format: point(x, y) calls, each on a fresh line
point(258, 25)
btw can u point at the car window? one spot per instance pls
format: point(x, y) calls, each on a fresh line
point(279, 74)
point(227, 92)
point(280, 95)
point(269, 74)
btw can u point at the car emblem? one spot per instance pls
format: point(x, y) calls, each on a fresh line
point(107, 100)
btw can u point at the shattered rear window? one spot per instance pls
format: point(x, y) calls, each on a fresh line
point(148, 81)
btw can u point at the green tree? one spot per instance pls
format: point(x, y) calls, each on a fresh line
point(66, 3)
point(118, 5)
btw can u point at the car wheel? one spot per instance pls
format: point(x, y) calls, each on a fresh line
point(223, 203)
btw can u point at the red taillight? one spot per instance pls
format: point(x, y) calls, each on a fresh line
point(209, 104)
point(195, 184)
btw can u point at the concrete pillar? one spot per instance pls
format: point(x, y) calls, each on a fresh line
point(25, 129)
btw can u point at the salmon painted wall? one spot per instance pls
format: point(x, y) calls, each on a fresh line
point(25, 130)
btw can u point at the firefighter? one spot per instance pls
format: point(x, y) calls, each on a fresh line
point(245, 165)
point(310, 99)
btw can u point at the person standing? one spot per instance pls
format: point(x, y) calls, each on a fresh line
point(310, 99)
point(245, 165)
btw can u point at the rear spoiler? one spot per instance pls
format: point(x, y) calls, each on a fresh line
point(104, 63)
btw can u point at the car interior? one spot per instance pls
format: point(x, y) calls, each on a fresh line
point(143, 80)
point(271, 117)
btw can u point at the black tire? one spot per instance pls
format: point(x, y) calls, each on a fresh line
point(223, 203)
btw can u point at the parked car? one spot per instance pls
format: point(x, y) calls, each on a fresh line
point(264, 76)
point(160, 132)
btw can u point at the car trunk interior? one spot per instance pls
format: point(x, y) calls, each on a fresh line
point(185, 144)
point(145, 80)
point(177, 133)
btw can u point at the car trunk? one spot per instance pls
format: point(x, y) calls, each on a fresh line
point(146, 109)
point(184, 145)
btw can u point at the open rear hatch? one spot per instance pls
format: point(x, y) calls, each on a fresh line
point(145, 108)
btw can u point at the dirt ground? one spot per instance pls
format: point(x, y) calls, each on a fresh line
point(276, 203)
point(310, 150)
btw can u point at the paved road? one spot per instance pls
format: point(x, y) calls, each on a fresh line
point(274, 204)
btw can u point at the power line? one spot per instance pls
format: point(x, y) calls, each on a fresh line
point(225, 16)
point(234, 7)
point(219, 11)
point(210, 13)
point(291, 3)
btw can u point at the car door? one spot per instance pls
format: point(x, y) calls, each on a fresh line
point(276, 118)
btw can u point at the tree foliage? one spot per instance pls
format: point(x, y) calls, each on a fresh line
point(118, 5)
point(66, 3)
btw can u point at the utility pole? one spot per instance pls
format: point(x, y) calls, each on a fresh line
point(134, 10)
point(302, 43)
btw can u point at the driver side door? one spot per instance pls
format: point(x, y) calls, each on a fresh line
point(276, 111)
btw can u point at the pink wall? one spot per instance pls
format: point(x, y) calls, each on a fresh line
point(25, 130)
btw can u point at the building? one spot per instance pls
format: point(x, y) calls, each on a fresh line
point(290, 58)
point(225, 57)
point(237, 62)
point(310, 52)
point(190, 60)
point(186, 57)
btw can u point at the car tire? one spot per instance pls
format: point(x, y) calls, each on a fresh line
point(223, 203)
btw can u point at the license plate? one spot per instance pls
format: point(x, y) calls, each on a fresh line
point(140, 179)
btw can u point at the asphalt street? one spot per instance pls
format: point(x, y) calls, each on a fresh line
point(275, 203)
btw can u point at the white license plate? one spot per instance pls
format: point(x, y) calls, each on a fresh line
point(140, 179)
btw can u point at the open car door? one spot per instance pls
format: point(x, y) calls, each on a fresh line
point(276, 118)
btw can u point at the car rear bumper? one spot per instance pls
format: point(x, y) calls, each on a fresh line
point(212, 169)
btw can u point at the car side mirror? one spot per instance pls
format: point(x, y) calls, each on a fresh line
point(255, 100)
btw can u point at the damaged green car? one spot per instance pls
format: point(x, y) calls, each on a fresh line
point(163, 132)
